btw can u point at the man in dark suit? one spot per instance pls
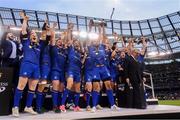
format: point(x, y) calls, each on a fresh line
point(134, 80)
point(10, 52)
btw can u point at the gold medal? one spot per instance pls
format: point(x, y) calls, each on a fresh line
point(30, 46)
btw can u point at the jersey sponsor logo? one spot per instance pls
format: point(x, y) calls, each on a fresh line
point(70, 75)
point(25, 73)
point(30, 46)
point(33, 47)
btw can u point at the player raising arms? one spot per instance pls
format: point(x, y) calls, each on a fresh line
point(45, 64)
point(101, 72)
point(88, 71)
point(115, 64)
point(73, 70)
point(29, 70)
point(59, 62)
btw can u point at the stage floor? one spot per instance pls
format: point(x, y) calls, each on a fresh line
point(106, 112)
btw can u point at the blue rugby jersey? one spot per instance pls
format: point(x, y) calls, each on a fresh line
point(98, 55)
point(31, 52)
point(58, 58)
point(114, 65)
point(107, 58)
point(45, 56)
point(88, 65)
point(74, 59)
point(140, 58)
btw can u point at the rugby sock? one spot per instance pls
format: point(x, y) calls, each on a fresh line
point(17, 97)
point(59, 98)
point(76, 99)
point(43, 97)
point(39, 99)
point(98, 98)
point(30, 97)
point(70, 96)
point(88, 96)
point(55, 97)
point(94, 97)
point(65, 94)
point(110, 96)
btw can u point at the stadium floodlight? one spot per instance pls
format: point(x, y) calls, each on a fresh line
point(83, 34)
point(76, 33)
point(162, 53)
point(168, 52)
point(93, 36)
point(153, 53)
point(36, 30)
point(58, 32)
point(39, 31)
point(110, 37)
point(15, 28)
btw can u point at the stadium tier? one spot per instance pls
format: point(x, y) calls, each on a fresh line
point(163, 32)
point(128, 77)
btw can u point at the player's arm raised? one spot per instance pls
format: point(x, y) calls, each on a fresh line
point(25, 23)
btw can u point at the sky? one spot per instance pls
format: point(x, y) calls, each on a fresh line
point(124, 9)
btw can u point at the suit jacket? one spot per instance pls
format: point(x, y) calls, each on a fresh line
point(6, 47)
point(132, 71)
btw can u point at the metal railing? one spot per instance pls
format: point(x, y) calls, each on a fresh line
point(151, 86)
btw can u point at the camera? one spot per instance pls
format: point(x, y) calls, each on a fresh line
point(97, 23)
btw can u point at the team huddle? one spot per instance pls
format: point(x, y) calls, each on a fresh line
point(65, 61)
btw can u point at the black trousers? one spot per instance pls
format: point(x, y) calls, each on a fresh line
point(139, 100)
point(121, 95)
point(129, 96)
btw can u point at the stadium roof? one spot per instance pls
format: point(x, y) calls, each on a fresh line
point(163, 32)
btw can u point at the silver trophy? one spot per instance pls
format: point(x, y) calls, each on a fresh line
point(97, 23)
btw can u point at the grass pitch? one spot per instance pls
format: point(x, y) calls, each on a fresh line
point(169, 102)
